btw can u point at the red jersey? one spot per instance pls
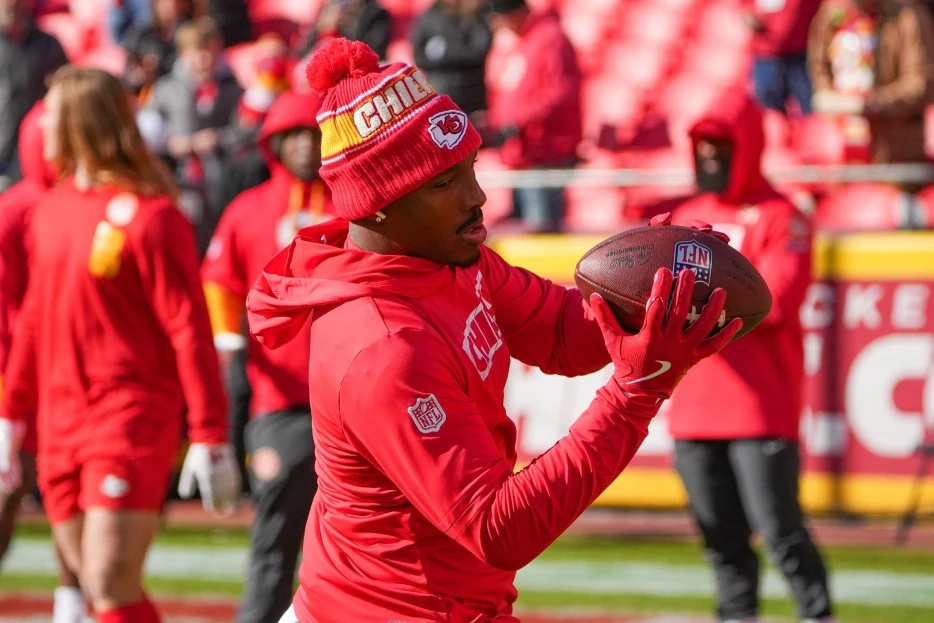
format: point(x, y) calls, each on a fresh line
point(114, 333)
point(16, 208)
point(258, 224)
point(785, 26)
point(753, 387)
point(542, 98)
point(419, 515)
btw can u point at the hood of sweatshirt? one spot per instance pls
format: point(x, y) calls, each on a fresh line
point(321, 268)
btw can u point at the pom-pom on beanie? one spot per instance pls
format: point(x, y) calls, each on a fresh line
point(384, 130)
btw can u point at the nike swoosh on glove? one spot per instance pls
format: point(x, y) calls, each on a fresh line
point(653, 362)
point(213, 470)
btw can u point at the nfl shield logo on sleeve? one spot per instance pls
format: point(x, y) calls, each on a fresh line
point(427, 414)
point(695, 257)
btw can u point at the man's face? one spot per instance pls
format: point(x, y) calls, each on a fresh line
point(170, 11)
point(201, 60)
point(441, 220)
point(49, 123)
point(712, 162)
point(301, 152)
point(12, 12)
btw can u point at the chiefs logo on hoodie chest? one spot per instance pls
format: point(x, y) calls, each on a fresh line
point(482, 338)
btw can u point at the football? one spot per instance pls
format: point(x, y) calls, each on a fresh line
point(621, 269)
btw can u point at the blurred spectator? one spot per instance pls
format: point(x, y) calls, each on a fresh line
point(357, 20)
point(257, 225)
point(536, 116)
point(28, 57)
point(151, 46)
point(779, 44)
point(871, 63)
point(232, 20)
point(451, 42)
point(272, 79)
point(735, 416)
point(191, 119)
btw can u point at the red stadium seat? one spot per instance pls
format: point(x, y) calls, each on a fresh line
point(639, 197)
point(777, 129)
point(611, 107)
point(595, 209)
point(683, 101)
point(818, 140)
point(110, 58)
point(862, 207)
point(300, 12)
point(71, 33)
point(651, 24)
point(586, 32)
point(638, 66)
point(722, 24)
point(717, 64)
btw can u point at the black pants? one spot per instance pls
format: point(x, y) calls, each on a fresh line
point(736, 486)
point(283, 483)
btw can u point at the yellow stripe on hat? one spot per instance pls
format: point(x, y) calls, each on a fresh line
point(375, 115)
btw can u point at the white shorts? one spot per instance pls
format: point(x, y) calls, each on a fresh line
point(289, 616)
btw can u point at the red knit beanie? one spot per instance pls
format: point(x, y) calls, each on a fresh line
point(384, 130)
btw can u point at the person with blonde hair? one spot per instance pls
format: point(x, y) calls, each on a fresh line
point(114, 341)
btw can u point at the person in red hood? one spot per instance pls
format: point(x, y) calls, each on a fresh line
point(16, 208)
point(256, 226)
point(537, 114)
point(735, 417)
point(113, 340)
point(419, 515)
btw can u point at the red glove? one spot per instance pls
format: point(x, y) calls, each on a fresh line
point(661, 220)
point(653, 361)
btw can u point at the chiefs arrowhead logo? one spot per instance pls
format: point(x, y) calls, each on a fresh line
point(448, 128)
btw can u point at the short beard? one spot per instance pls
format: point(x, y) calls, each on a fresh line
point(468, 262)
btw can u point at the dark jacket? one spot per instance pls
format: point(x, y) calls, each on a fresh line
point(452, 51)
point(372, 25)
point(26, 62)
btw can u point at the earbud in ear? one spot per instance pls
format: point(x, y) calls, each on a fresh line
point(380, 216)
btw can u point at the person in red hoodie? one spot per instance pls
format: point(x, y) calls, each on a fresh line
point(419, 515)
point(537, 114)
point(16, 208)
point(780, 44)
point(113, 340)
point(256, 226)
point(735, 417)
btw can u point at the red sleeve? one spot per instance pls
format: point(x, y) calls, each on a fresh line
point(453, 473)
point(556, 62)
point(784, 261)
point(14, 270)
point(168, 262)
point(543, 324)
point(19, 398)
point(222, 263)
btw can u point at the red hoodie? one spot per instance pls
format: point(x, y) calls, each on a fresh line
point(114, 330)
point(544, 101)
point(785, 26)
point(752, 388)
point(419, 515)
point(16, 208)
point(257, 225)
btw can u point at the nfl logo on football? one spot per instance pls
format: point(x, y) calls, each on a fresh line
point(427, 414)
point(696, 258)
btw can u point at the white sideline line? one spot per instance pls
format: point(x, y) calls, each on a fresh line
point(660, 579)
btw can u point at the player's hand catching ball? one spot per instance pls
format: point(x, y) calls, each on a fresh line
point(213, 470)
point(652, 362)
point(11, 437)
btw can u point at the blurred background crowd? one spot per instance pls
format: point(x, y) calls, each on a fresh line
point(617, 84)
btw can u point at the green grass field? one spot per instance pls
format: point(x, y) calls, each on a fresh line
point(578, 550)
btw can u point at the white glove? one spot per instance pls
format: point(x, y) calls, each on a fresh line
point(214, 470)
point(11, 472)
